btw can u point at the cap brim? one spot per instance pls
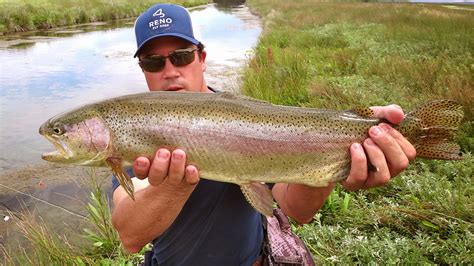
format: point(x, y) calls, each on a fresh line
point(184, 37)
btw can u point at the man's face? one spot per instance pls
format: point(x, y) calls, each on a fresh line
point(173, 78)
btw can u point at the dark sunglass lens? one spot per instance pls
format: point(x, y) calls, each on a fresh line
point(182, 58)
point(153, 63)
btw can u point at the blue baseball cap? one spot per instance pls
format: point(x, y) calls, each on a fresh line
point(163, 20)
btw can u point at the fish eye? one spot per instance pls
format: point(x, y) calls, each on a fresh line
point(57, 130)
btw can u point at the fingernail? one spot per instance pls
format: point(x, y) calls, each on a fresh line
point(191, 170)
point(162, 154)
point(370, 142)
point(141, 164)
point(376, 131)
point(385, 127)
point(177, 156)
point(356, 146)
point(358, 149)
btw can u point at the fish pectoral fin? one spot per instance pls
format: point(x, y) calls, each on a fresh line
point(259, 196)
point(122, 176)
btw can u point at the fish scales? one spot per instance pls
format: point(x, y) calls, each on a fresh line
point(228, 141)
point(236, 139)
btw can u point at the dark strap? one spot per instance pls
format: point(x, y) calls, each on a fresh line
point(148, 258)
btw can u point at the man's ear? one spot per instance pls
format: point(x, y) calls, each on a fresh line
point(203, 61)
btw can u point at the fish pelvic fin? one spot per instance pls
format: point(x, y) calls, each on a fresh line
point(431, 129)
point(122, 176)
point(259, 196)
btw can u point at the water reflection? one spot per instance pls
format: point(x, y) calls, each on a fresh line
point(228, 3)
point(43, 74)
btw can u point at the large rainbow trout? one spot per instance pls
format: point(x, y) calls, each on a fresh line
point(237, 139)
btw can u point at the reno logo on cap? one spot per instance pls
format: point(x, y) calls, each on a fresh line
point(161, 20)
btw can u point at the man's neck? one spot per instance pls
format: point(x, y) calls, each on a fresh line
point(208, 89)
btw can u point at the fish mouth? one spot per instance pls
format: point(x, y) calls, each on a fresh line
point(62, 151)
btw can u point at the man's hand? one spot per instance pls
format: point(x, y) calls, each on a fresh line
point(386, 149)
point(158, 202)
point(166, 164)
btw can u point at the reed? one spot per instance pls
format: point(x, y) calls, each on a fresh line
point(101, 245)
point(23, 15)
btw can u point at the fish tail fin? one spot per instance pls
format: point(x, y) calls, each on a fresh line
point(431, 129)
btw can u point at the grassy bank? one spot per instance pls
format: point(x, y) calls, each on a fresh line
point(23, 15)
point(340, 56)
point(343, 55)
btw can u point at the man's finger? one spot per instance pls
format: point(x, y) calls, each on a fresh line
point(405, 145)
point(377, 158)
point(392, 152)
point(177, 166)
point(192, 175)
point(393, 113)
point(358, 174)
point(141, 167)
point(159, 167)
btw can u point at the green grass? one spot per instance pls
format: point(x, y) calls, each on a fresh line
point(423, 216)
point(338, 56)
point(23, 15)
point(347, 54)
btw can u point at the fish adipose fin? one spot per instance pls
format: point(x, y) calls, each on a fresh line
point(122, 176)
point(431, 129)
point(365, 112)
point(259, 196)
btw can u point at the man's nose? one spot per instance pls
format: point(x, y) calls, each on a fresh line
point(170, 71)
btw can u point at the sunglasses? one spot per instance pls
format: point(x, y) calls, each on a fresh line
point(179, 58)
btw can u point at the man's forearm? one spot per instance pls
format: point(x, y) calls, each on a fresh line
point(155, 208)
point(301, 202)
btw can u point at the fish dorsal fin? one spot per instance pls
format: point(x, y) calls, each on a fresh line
point(122, 176)
point(259, 196)
point(365, 112)
point(226, 95)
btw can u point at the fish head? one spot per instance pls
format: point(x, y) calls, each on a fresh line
point(81, 137)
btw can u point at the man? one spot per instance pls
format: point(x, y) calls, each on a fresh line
point(203, 222)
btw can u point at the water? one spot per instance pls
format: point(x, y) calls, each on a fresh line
point(45, 73)
point(44, 76)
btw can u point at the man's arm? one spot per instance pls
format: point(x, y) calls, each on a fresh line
point(158, 203)
point(386, 149)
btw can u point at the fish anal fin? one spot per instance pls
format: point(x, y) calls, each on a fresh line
point(124, 179)
point(259, 196)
